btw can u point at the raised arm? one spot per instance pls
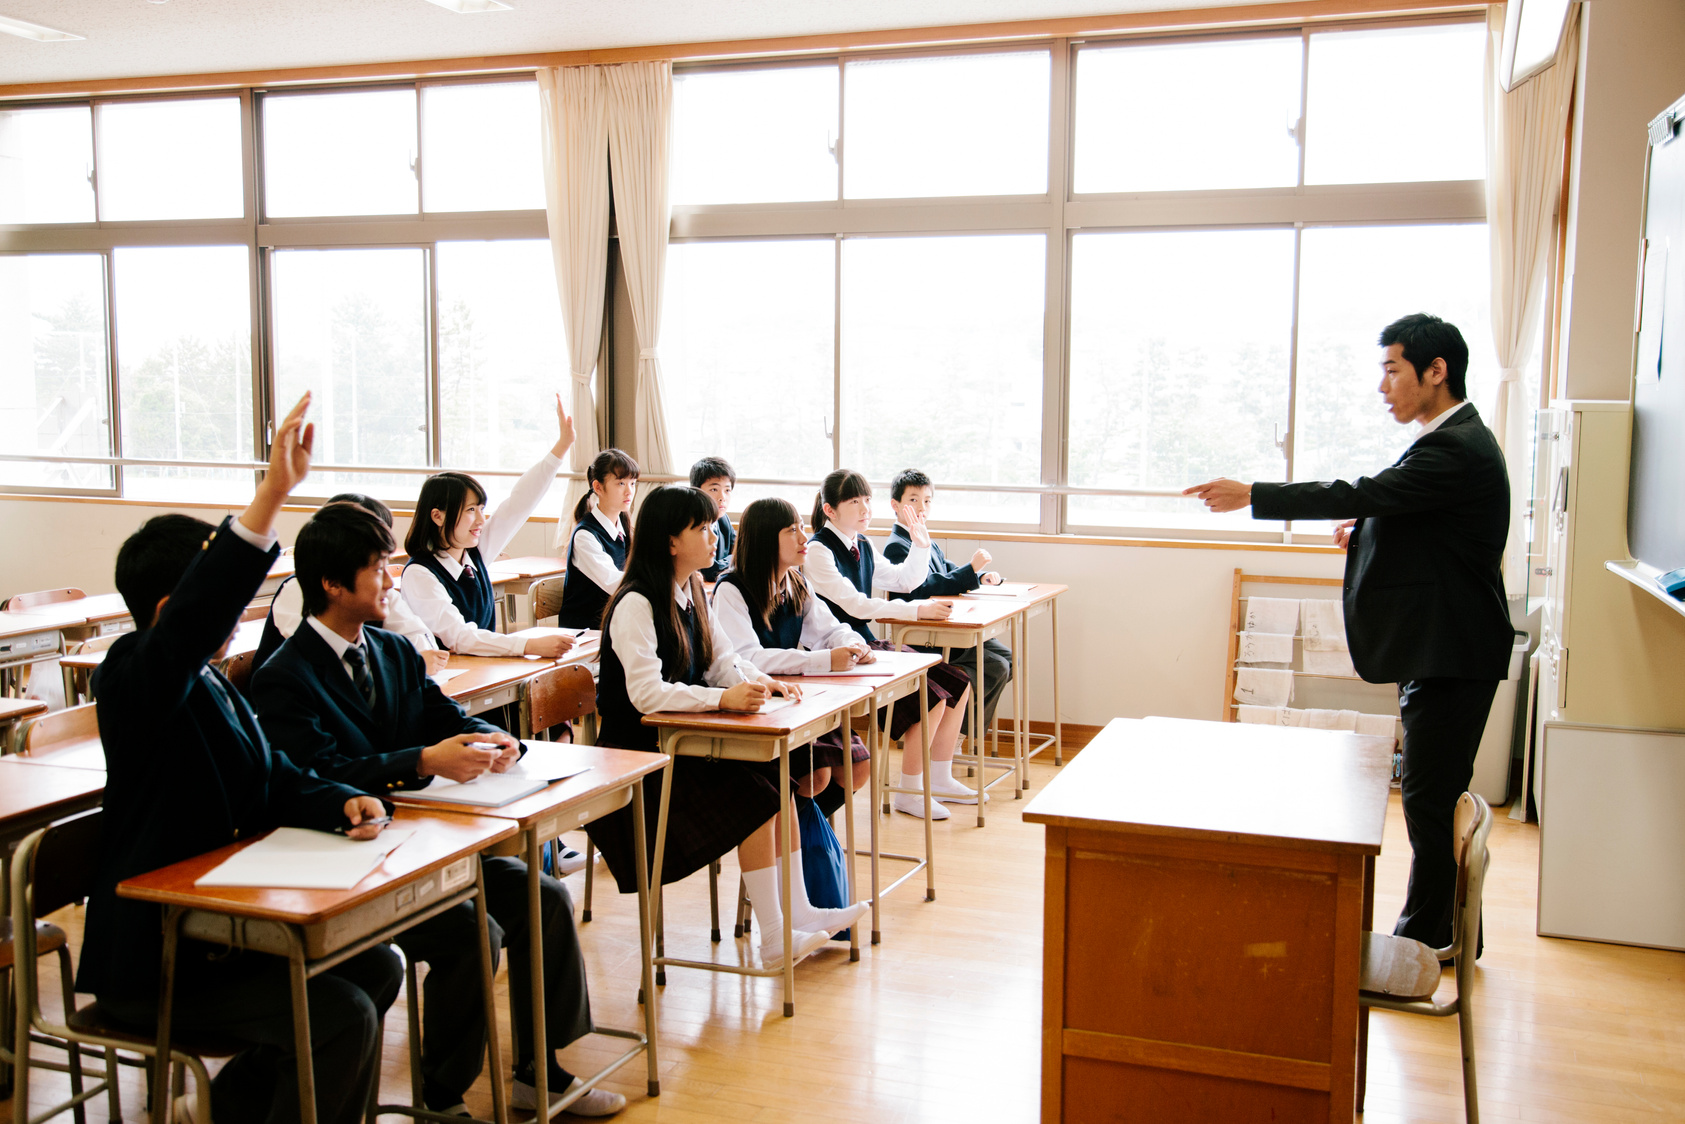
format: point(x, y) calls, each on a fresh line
point(529, 491)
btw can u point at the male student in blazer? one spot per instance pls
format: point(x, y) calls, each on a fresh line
point(188, 771)
point(355, 703)
point(1424, 592)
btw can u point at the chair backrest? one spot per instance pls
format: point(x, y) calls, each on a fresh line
point(1471, 825)
point(20, 601)
point(239, 670)
point(558, 695)
point(99, 643)
point(70, 728)
point(546, 599)
point(53, 868)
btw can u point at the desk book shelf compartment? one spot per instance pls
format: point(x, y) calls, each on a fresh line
point(1237, 620)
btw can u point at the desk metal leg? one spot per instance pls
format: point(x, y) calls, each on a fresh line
point(1021, 696)
point(660, 855)
point(1058, 731)
point(535, 943)
point(640, 857)
point(301, 1028)
point(929, 796)
point(784, 870)
point(161, 1085)
point(878, 751)
point(848, 829)
point(494, 1051)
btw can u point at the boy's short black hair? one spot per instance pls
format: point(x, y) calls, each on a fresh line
point(340, 540)
point(711, 468)
point(151, 561)
point(368, 503)
point(907, 478)
point(1426, 338)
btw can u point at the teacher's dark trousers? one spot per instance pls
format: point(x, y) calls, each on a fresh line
point(1443, 722)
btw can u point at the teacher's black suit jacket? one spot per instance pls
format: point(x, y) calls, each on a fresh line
point(1424, 591)
point(314, 713)
point(187, 769)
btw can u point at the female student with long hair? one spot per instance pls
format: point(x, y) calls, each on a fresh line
point(661, 650)
point(844, 568)
point(770, 614)
point(601, 535)
point(450, 541)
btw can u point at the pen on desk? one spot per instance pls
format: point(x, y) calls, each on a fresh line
point(378, 821)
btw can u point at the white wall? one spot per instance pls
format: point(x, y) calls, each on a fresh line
point(1144, 629)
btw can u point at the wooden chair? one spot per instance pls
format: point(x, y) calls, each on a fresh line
point(239, 670)
point(54, 868)
point(60, 731)
point(546, 599)
point(548, 699)
point(18, 602)
point(78, 681)
point(1400, 974)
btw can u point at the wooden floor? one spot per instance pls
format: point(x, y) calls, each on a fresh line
point(940, 1021)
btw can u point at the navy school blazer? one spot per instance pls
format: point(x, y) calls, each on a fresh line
point(314, 714)
point(186, 772)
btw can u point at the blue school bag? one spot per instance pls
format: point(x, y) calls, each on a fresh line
point(822, 858)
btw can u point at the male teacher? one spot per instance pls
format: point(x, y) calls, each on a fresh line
point(1423, 595)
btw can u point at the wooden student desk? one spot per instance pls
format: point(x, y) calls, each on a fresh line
point(78, 669)
point(26, 639)
point(13, 712)
point(512, 580)
point(434, 870)
point(488, 682)
point(1207, 888)
point(884, 691)
point(736, 736)
point(614, 780)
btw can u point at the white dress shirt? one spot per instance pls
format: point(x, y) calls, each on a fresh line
point(287, 610)
point(247, 535)
point(432, 603)
point(631, 631)
point(1439, 420)
point(590, 558)
point(821, 631)
point(339, 644)
point(892, 577)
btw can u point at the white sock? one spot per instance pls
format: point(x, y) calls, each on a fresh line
point(912, 780)
point(942, 774)
point(763, 895)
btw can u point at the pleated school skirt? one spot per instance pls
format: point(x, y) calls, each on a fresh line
point(944, 683)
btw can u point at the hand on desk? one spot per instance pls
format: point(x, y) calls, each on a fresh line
point(935, 610)
point(463, 757)
point(848, 655)
point(360, 808)
point(791, 691)
point(436, 659)
point(991, 578)
point(550, 647)
point(745, 696)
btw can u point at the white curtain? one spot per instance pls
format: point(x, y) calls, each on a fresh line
point(640, 98)
point(573, 104)
point(1524, 139)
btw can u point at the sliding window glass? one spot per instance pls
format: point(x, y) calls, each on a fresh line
point(755, 135)
point(1180, 370)
point(481, 147)
point(346, 153)
point(54, 384)
point(170, 160)
point(748, 359)
point(47, 164)
point(184, 369)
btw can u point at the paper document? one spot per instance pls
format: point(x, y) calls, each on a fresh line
point(296, 858)
point(445, 675)
point(1004, 589)
point(548, 761)
point(884, 663)
point(488, 790)
point(780, 702)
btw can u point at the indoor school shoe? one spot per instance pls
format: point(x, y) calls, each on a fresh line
point(833, 920)
point(802, 941)
point(598, 1102)
point(959, 794)
point(568, 860)
point(913, 805)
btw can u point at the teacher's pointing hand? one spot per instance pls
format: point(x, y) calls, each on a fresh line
point(1222, 494)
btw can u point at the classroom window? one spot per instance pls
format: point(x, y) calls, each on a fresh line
point(170, 160)
point(351, 153)
point(54, 386)
point(47, 164)
point(1198, 115)
point(481, 147)
point(184, 368)
point(762, 135)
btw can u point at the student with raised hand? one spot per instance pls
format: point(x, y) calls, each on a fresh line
point(910, 497)
point(601, 536)
point(716, 478)
point(773, 618)
point(662, 650)
point(843, 568)
point(286, 610)
point(188, 771)
point(451, 541)
point(354, 703)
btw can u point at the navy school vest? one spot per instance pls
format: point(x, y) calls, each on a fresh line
point(583, 600)
point(786, 628)
point(471, 593)
point(857, 572)
point(620, 724)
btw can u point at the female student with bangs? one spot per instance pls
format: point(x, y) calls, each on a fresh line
point(602, 532)
point(662, 650)
point(770, 614)
point(844, 568)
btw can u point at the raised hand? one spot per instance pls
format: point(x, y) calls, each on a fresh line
point(564, 427)
point(917, 530)
point(980, 558)
point(289, 454)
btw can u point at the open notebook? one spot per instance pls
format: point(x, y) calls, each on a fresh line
point(296, 858)
point(542, 764)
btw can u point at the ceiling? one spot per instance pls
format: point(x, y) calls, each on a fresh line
point(136, 38)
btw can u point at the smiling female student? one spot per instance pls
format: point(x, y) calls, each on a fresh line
point(450, 541)
point(845, 573)
point(662, 650)
point(602, 531)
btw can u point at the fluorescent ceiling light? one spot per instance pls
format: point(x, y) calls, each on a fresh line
point(469, 7)
point(26, 30)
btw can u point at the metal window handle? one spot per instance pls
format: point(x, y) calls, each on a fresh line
point(1544, 571)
